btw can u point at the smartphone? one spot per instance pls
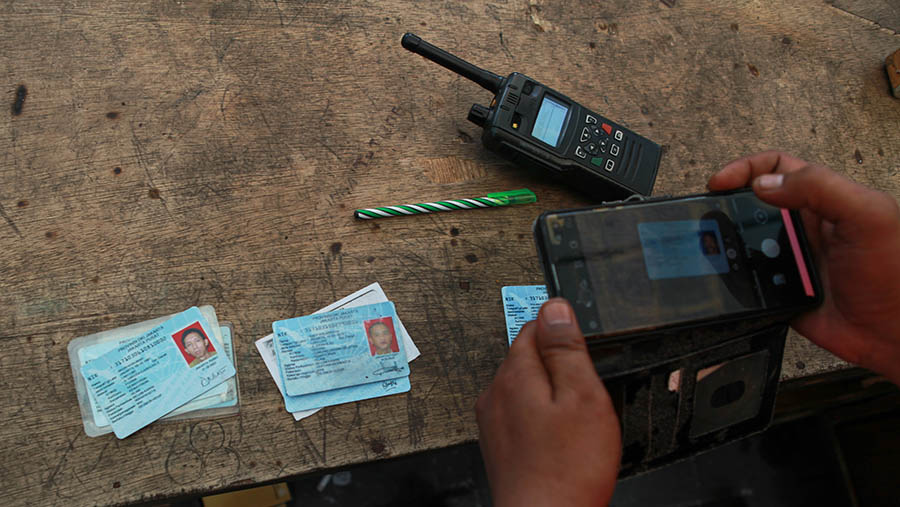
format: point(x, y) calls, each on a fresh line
point(633, 267)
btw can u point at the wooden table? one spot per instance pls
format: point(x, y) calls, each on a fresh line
point(158, 155)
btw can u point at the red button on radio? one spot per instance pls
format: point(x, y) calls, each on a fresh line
point(606, 128)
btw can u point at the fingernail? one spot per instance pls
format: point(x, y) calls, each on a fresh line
point(557, 313)
point(770, 181)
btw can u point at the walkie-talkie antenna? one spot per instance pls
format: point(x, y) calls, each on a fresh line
point(488, 80)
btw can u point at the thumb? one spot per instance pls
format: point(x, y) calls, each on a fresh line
point(825, 193)
point(562, 348)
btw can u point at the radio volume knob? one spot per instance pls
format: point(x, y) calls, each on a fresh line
point(478, 114)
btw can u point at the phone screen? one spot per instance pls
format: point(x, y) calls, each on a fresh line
point(682, 248)
point(650, 265)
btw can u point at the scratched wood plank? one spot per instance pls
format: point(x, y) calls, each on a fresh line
point(885, 13)
point(158, 155)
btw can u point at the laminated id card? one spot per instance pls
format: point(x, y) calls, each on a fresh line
point(521, 303)
point(152, 374)
point(221, 400)
point(326, 351)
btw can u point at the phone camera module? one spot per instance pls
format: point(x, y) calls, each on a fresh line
point(760, 216)
point(770, 248)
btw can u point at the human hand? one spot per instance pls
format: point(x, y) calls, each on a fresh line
point(548, 431)
point(854, 233)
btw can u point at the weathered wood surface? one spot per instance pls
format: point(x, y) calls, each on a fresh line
point(884, 13)
point(169, 154)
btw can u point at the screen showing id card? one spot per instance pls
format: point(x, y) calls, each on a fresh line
point(682, 248)
point(655, 264)
point(148, 376)
point(342, 348)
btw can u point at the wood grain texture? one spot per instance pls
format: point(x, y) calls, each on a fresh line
point(168, 154)
point(884, 13)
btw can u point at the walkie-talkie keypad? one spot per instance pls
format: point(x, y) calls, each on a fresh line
point(598, 140)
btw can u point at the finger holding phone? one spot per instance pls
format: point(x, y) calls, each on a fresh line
point(854, 232)
point(547, 428)
point(547, 389)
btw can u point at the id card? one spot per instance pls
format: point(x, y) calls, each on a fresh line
point(520, 305)
point(87, 348)
point(211, 397)
point(148, 376)
point(371, 294)
point(326, 351)
point(223, 395)
point(231, 384)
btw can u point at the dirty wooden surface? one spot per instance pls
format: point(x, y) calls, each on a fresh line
point(158, 155)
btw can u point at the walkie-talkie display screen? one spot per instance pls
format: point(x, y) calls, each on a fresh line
point(550, 120)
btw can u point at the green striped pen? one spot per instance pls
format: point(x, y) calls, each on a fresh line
point(521, 196)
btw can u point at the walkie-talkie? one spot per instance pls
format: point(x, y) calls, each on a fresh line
point(539, 127)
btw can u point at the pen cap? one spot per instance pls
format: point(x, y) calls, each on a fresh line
point(521, 196)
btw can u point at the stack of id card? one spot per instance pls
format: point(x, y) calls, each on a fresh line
point(354, 349)
point(175, 367)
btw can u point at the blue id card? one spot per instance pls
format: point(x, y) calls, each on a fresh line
point(520, 305)
point(346, 394)
point(88, 354)
point(327, 351)
point(228, 345)
point(148, 376)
